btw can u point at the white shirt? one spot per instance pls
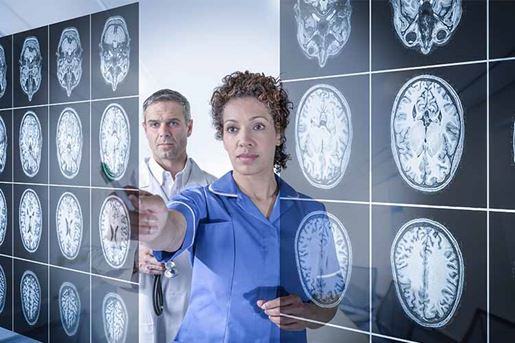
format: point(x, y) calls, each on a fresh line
point(176, 291)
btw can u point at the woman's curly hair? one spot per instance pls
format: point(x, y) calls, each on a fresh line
point(268, 90)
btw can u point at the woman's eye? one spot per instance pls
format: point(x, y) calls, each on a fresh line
point(231, 129)
point(259, 126)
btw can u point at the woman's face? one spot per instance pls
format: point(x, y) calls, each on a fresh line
point(249, 136)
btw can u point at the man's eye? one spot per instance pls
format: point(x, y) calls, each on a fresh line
point(154, 125)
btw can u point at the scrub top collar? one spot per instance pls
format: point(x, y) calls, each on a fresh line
point(227, 187)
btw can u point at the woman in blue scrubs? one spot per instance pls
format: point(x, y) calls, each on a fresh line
point(241, 230)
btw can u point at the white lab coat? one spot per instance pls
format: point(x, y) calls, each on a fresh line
point(176, 291)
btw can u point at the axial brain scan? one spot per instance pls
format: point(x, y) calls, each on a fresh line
point(3, 71)
point(69, 142)
point(114, 229)
point(30, 220)
point(30, 66)
point(323, 136)
point(3, 145)
point(115, 317)
point(30, 292)
point(3, 217)
point(115, 51)
point(323, 27)
point(31, 143)
point(324, 258)
point(428, 272)
point(427, 132)
point(69, 59)
point(69, 225)
point(69, 308)
point(3, 289)
point(115, 141)
point(425, 24)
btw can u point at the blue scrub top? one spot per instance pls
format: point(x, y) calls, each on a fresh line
point(238, 257)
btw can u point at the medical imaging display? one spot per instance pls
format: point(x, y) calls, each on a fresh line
point(323, 27)
point(324, 258)
point(115, 140)
point(69, 308)
point(30, 220)
point(3, 71)
point(31, 62)
point(31, 143)
point(115, 51)
point(30, 291)
point(69, 225)
point(69, 142)
point(114, 229)
point(115, 318)
point(4, 219)
point(69, 59)
point(427, 130)
point(425, 25)
point(323, 135)
point(3, 289)
point(3, 145)
point(428, 272)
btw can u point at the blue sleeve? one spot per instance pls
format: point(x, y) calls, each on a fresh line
point(191, 203)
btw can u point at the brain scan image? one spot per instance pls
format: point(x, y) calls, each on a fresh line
point(3, 71)
point(324, 258)
point(69, 142)
point(69, 59)
point(69, 226)
point(428, 272)
point(31, 143)
point(323, 27)
point(3, 289)
point(3, 217)
point(115, 51)
point(115, 140)
point(425, 24)
point(114, 229)
point(323, 136)
point(3, 145)
point(69, 308)
point(115, 318)
point(427, 132)
point(30, 66)
point(30, 291)
point(30, 220)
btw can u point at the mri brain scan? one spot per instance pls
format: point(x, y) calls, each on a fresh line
point(3, 145)
point(30, 292)
point(425, 24)
point(30, 66)
point(69, 142)
point(69, 59)
point(69, 308)
point(3, 217)
point(30, 220)
point(3, 71)
point(115, 51)
point(323, 136)
point(115, 317)
point(427, 132)
point(114, 229)
point(428, 272)
point(3, 289)
point(324, 258)
point(323, 27)
point(115, 140)
point(31, 144)
point(69, 225)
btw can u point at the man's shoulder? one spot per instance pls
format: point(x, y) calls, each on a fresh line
point(199, 174)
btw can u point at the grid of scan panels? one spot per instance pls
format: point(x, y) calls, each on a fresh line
point(349, 67)
point(66, 251)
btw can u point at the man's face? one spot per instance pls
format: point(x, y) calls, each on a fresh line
point(167, 130)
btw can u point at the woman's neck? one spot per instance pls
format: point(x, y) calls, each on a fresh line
point(257, 187)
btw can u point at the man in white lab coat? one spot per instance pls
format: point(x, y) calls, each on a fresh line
point(167, 124)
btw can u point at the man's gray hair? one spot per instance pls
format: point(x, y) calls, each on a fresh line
point(169, 95)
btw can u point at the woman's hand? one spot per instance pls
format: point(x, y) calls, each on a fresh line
point(279, 309)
